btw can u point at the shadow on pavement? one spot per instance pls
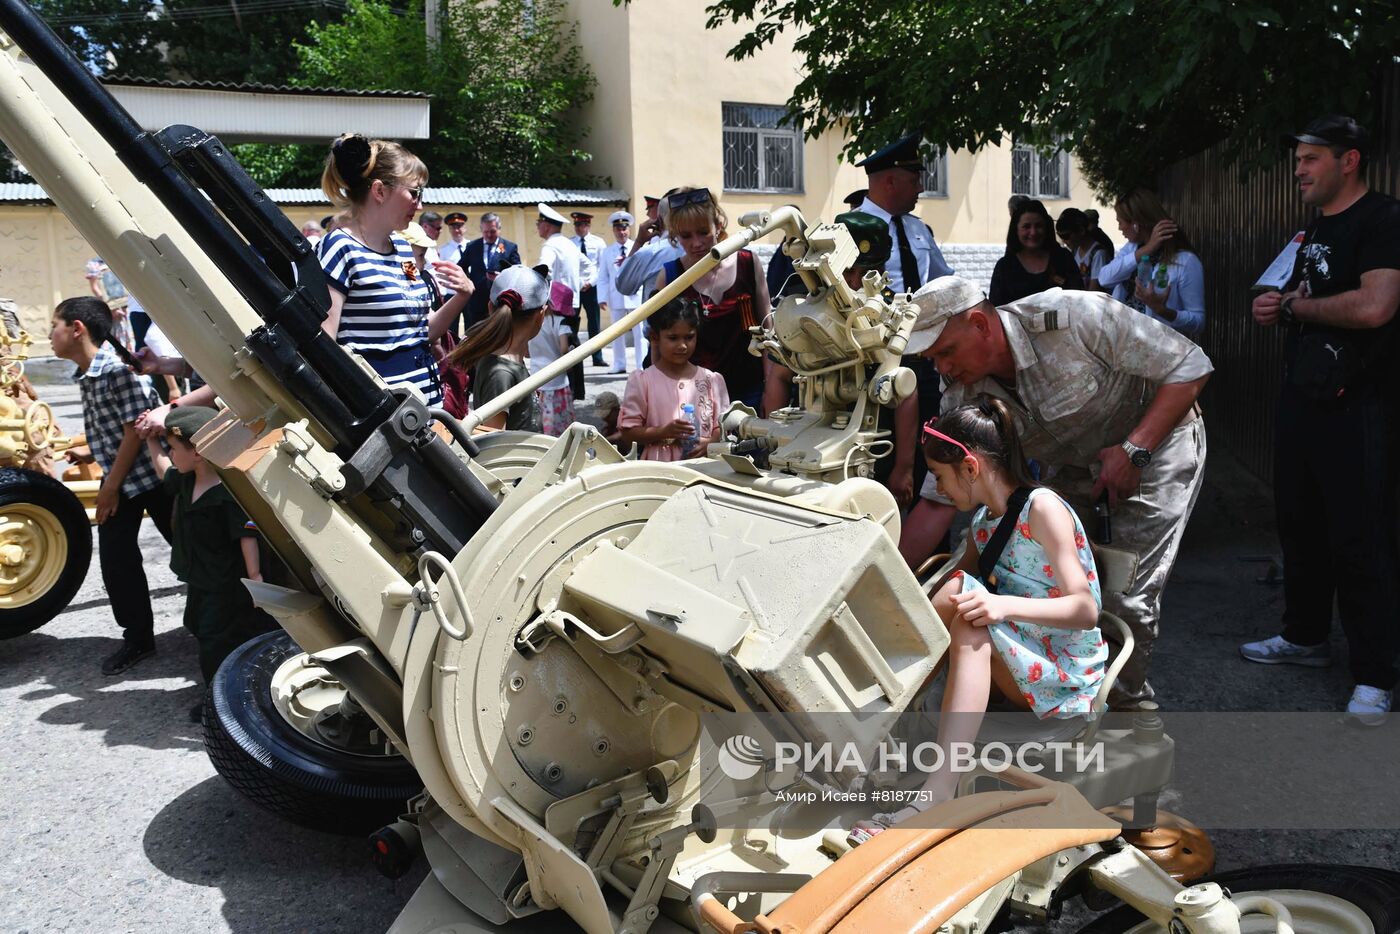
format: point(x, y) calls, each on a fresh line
point(46, 668)
point(274, 876)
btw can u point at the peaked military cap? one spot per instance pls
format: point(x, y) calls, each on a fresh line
point(872, 237)
point(581, 215)
point(548, 213)
point(901, 154)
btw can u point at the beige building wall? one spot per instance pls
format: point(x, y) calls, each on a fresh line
point(979, 185)
point(42, 259)
point(655, 122)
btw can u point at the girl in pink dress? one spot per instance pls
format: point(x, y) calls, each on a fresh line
point(673, 407)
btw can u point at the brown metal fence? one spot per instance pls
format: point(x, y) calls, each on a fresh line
point(1238, 227)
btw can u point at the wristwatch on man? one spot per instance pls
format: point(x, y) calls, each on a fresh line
point(1140, 457)
point(1285, 311)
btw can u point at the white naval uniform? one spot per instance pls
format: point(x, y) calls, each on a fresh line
point(620, 303)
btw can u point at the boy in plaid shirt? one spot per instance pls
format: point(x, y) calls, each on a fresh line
point(113, 398)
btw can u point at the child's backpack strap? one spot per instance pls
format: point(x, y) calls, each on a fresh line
point(987, 560)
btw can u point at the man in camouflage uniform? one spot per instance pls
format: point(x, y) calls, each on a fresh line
point(1105, 400)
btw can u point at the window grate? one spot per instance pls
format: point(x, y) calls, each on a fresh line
point(933, 180)
point(759, 153)
point(1039, 174)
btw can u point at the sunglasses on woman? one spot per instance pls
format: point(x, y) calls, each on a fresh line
point(930, 431)
point(682, 198)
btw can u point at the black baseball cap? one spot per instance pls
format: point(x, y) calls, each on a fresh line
point(1332, 130)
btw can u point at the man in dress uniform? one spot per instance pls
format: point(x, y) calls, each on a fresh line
point(614, 301)
point(893, 175)
point(565, 262)
point(591, 246)
point(451, 251)
point(1105, 401)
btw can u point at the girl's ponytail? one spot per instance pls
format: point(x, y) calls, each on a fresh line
point(486, 336)
point(985, 426)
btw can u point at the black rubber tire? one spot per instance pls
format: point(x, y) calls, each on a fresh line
point(28, 487)
point(284, 771)
point(1374, 891)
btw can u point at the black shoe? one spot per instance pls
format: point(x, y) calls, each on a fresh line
point(197, 713)
point(598, 360)
point(125, 657)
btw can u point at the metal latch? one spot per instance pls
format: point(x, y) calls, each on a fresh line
point(308, 460)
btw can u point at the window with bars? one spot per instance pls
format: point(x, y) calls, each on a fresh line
point(1039, 174)
point(759, 154)
point(933, 180)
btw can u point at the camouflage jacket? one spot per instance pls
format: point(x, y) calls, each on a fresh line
point(1087, 367)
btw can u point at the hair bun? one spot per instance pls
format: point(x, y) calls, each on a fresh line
point(352, 154)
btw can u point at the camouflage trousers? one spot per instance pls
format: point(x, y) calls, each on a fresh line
point(1149, 525)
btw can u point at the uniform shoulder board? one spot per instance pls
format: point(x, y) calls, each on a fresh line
point(1052, 319)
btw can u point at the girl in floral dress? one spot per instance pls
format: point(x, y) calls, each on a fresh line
point(1031, 627)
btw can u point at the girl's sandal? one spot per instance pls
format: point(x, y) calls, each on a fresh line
point(876, 824)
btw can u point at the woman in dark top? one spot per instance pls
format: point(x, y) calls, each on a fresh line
point(733, 296)
point(1033, 262)
point(494, 349)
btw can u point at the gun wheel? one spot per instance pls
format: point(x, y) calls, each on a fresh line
point(281, 731)
point(1323, 900)
point(45, 549)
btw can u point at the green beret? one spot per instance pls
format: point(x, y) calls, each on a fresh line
point(872, 237)
point(184, 420)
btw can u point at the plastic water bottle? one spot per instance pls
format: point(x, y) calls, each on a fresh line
point(690, 444)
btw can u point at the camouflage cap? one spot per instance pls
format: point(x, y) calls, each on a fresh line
point(872, 237)
point(184, 420)
point(940, 301)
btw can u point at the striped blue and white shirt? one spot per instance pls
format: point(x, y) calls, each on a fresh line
point(384, 308)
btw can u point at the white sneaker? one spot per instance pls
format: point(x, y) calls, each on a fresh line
point(1368, 705)
point(1276, 650)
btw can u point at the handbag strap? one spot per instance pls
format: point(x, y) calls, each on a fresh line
point(987, 560)
point(435, 298)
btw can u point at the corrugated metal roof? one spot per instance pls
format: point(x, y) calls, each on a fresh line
point(136, 81)
point(20, 191)
point(13, 192)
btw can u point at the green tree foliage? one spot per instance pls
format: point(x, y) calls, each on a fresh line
point(107, 35)
point(204, 40)
point(503, 78)
point(1130, 86)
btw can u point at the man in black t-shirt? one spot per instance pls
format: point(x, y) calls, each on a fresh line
point(1337, 439)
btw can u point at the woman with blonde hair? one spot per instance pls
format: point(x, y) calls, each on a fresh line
point(381, 304)
point(733, 296)
point(1169, 282)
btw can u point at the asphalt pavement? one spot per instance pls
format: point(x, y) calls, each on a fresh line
point(117, 822)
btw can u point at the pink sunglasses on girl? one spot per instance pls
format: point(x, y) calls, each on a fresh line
point(930, 430)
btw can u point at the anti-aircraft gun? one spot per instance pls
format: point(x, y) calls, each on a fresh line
point(555, 638)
